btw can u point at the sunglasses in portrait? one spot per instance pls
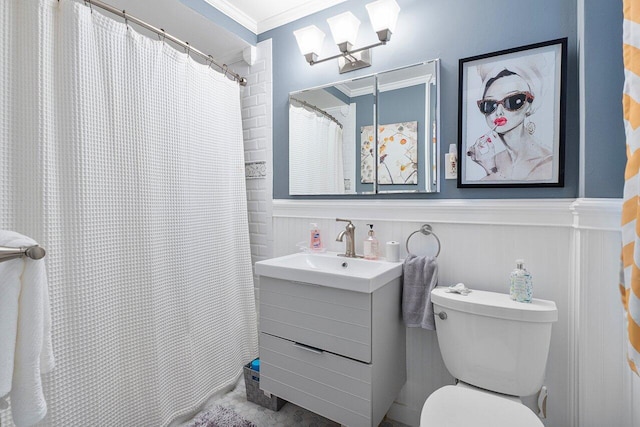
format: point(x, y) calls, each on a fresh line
point(510, 103)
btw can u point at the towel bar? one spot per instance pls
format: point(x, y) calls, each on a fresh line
point(426, 230)
point(33, 252)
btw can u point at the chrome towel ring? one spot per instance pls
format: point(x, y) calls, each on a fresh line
point(426, 230)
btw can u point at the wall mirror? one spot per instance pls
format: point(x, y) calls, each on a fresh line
point(334, 145)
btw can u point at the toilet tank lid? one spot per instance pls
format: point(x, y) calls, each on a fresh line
point(493, 304)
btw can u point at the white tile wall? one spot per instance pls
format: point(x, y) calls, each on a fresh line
point(257, 127)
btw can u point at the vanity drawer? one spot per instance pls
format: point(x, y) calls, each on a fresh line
point(330, 385)
point(334, 320)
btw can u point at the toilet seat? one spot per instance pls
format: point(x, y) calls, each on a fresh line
point(464, 405)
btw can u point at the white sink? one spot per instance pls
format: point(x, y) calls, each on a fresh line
point(329, 269)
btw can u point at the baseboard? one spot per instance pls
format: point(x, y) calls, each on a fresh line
point(404, 414)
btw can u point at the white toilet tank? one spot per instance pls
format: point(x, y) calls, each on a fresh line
point(492, 342)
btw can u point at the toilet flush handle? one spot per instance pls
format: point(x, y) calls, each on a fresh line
point(442, 315)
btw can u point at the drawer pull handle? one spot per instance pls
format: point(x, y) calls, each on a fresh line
point(295, 282)
point(308, 348)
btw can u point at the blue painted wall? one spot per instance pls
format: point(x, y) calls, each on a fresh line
point(454, 29)
point(407, 105)
point(338, 94)
point(364, 117)
point(604, 78)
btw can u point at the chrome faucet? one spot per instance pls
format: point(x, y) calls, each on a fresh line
point(349, 231)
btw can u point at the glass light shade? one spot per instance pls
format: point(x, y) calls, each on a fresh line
point(344, 28)
point(309, 39)
point(383, 15)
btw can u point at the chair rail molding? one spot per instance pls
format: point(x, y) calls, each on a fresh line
point(597, 214)
point(578, 213)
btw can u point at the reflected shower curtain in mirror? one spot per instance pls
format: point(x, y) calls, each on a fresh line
point(630, 279)
point(315, 154)
point(124, 158)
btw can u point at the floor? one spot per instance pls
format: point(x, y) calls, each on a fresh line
point(289, 416)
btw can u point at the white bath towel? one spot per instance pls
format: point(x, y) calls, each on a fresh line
point(419, 277)
point(25, 332)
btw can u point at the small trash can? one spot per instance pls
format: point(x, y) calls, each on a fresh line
point(254, 394)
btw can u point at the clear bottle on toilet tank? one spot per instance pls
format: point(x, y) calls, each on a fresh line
point(520, 283)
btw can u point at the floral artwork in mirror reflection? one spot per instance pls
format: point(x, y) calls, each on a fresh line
point(397, 153)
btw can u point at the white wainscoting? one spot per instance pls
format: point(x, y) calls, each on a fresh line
point(570, 246)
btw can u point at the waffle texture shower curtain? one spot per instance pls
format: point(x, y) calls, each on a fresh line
point(124, 158)
point(316, 144)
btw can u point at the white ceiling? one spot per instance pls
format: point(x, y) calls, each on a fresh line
point(263, 15)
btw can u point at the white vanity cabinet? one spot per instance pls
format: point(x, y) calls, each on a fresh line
point(337, 352)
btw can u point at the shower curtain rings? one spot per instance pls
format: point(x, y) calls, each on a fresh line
point(225, 67)
point(187, 48)
point(90, 5)
point(210, 61)
point(163, 36)
point(126, 20)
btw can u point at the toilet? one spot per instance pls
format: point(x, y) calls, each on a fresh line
point(497, 350)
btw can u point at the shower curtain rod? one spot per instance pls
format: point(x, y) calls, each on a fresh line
point(33, 252)
point(159, 31)
point(319, 110)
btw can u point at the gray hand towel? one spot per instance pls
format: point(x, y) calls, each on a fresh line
point(420, 276)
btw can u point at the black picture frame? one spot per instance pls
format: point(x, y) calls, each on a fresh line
point(511, 117)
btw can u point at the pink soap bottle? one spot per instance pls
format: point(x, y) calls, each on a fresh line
point(371, 244)
point(315, 242)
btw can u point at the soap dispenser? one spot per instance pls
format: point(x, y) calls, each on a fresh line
point(315, 240)
point(521, 284)
point(371, 244)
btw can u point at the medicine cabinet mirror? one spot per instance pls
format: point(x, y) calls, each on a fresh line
point(332, 137)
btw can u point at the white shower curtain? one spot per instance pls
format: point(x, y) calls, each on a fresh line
point(124, 158)
point(315, 146)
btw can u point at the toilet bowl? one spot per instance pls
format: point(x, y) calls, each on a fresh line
point(497, 350)
point(463, 405)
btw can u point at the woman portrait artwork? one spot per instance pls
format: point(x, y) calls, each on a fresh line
point(510, 132)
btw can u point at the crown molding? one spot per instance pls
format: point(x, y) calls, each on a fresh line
point(290, 15)
point(236, 14)
point(400, 84)
point(351, 93)
point(306, 9)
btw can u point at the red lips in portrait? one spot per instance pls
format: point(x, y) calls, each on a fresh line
point(500, 121)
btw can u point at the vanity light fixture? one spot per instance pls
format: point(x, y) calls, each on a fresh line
point(383, 15)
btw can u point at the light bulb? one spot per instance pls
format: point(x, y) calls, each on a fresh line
point(310, 41)
point(384, 16)
point(344, 29)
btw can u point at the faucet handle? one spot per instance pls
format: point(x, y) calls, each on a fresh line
point(350, 227)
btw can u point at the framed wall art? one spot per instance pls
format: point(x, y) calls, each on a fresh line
point(511, 117)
